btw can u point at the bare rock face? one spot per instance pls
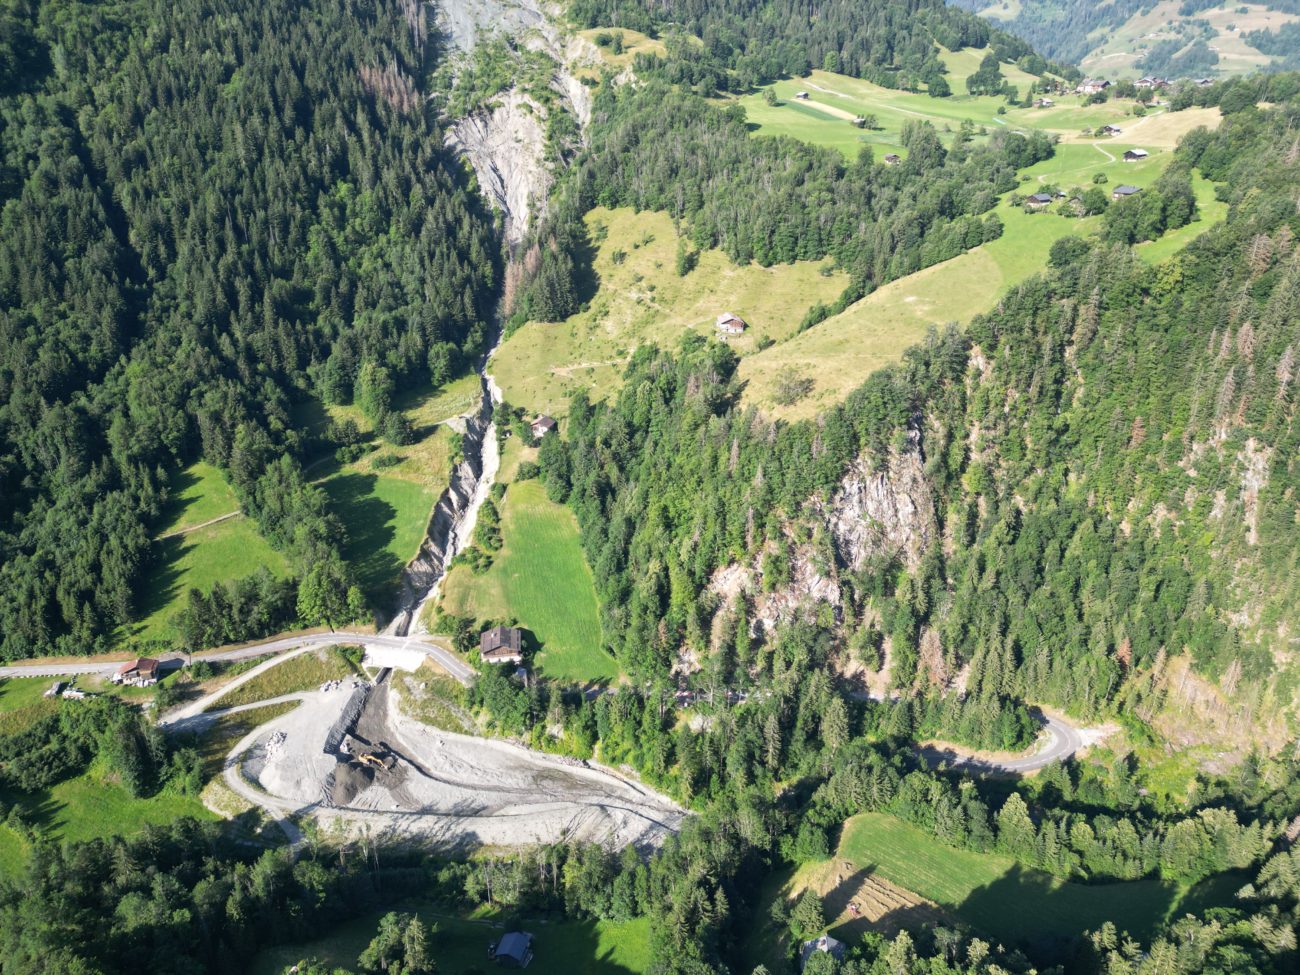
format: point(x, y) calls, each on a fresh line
point(876, 511)
point(884, 511)
point(506, 146)
point(464, 22)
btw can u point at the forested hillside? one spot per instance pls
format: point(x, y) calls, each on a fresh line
point(746, 42)
point(1104, 472)
point(210, 213)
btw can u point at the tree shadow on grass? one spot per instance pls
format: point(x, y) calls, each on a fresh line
point(161, 585)
point(1028, 909)
point(181, 482)
point(370, 523)
point(586, 282)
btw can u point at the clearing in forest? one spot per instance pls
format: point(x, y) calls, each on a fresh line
point(460, 943)
point(641, 298)
point(540, 578)
point(1002, 897)
point(385, 498)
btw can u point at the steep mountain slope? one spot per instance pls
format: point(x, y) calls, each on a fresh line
point(194, 246)
point(1176, 38)
point(1111, 457)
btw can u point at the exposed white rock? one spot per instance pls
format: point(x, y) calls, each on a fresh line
point(506, 145)
point(884, 511)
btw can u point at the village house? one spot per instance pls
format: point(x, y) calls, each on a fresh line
point(1135, 155)
point(801, 94)
point(831, 946)
point(1111, 130)
point(1091, 86)
point(1044, 103)
point(729, 324)
point(1038, 200)
point(137, 673)
point(1120, 192)
point(1154, 83)
point(501, 645)
point(514, 950)
point(892, 159)
point(542, 426)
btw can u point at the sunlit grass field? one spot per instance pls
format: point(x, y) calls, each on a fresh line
point(1002, 897)
point(642, 299)
point(540, 577)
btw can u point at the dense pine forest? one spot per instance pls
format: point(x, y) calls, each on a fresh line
point(210, 214)
point(751, 41)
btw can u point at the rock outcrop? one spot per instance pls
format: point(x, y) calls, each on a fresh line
point(506, 146)
point(883, 510)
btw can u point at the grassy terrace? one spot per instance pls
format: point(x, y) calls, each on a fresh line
point(838, 354)
point(305, 672)
point(541, 578)
point(460, 945)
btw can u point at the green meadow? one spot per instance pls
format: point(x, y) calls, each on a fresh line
point(999, 896)
point(198, 559)
point(838, 354)
point(460, 945)
point(540, 577)
point(640, 298)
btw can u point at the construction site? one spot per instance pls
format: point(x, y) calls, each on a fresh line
point(348, 757)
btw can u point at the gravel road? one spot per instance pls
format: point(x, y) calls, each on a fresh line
point(74, 666)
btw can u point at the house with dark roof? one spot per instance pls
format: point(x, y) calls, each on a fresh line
point(501, 645)
point(542, 426)
point(1111, 130)
point(1135, 155)
point(1038, 200)
point(514, 950)
point(1121, 192)
point(892, 159)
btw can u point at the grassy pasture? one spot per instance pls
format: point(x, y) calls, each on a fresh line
point(87, 807)
point(541, 578)
point(634, 43)
point(839, 354)
point(385, 507)
point(641, 299)
point(460, 945)
point(1002, 897)
point(824, 118)
point(199, 559)
point(199, 494)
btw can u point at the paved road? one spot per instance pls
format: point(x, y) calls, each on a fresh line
point(74, 666)
point(1058, 742)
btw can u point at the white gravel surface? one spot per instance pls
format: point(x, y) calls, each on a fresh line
point(455, 790)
